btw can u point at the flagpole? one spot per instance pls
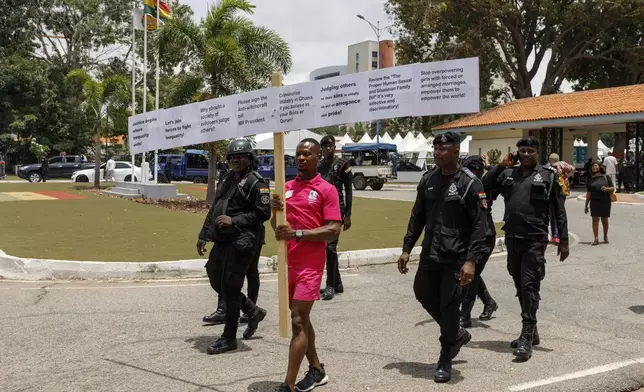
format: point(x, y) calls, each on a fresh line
point(133, 77)
point(156, 152)
point(145, 84)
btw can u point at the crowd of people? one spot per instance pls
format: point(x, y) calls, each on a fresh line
point(452, 208)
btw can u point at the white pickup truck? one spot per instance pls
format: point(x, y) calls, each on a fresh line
point(371, 165)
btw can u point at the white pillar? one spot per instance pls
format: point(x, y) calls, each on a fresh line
point(593, 137)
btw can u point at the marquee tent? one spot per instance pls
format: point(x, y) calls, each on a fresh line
point(264, 141)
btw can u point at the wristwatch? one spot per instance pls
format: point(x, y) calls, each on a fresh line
point(298, 235)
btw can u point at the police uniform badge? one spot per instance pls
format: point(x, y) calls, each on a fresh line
point(538, 178)
point(443, 139)
point(265, 199)
point(453, 190)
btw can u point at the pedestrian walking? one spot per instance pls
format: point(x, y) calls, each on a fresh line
point(476, 165)
point(610, 166)
point(233, 223)
point(451, 208)
point(598, 196)
point(313, 216)
point(337, 172)
point(529, 191)
point(44, 168)
point(108, 172)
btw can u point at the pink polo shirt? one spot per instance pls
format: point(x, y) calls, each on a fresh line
point(309, 205)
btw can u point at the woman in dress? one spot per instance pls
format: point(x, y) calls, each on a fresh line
point(598, 193)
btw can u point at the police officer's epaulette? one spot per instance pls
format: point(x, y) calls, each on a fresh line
point(552, 169)
point(468, 172)
point(341, 164)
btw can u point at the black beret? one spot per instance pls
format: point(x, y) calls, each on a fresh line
point(474, 162)
point(528, 141)
point(447, 138)
point(328, 139)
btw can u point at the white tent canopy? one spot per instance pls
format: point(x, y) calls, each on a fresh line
point(397, 139)
point(387, 139)
point(346, 139)
point(407, 144)
point(264, 141)
point(365, 139)
point(465, 145)
point(421, 138)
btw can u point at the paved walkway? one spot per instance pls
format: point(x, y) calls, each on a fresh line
point(77, 336)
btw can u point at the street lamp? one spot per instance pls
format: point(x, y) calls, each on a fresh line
point(376, 29)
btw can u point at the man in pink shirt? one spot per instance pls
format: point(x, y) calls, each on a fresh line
point(313, 217)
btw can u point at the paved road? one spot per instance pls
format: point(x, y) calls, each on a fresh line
point(79, 336)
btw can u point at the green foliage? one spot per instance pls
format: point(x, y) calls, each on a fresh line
point(38, 149)
point(504, 34)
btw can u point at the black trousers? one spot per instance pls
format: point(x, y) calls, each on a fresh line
point(253, 277)
point(478, 286)
point(527, 266)
point(226, 268)
point(333, 278)
point(438, 289)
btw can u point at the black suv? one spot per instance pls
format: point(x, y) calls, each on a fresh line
point(59, 167)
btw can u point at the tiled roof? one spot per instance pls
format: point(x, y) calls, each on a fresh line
point(600, 102)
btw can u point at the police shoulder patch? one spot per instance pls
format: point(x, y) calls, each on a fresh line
point(468, 172)
point(265, 199)
point(264, 190)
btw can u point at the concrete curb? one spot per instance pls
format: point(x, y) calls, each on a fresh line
point(17, 268)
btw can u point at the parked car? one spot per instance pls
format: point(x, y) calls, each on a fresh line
point(122, 173)
point(59, 167)
point(371, 164)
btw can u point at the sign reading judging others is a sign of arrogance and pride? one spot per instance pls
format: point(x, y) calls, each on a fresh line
point(443, 87)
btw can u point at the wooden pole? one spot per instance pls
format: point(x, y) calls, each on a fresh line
point(280, 217)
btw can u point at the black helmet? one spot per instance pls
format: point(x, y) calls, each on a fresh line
point(239, 146)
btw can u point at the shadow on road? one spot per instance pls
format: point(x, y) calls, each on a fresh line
point(263, 386)
point(421, 323)
point(500, 346)
point(639, 309)
point(424, 370)
point(201, 343)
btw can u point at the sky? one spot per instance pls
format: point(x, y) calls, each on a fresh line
point(319, 32)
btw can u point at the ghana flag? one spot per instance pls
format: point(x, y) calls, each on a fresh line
point(150, 10)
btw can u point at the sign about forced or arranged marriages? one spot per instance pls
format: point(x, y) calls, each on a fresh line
point(443, 87)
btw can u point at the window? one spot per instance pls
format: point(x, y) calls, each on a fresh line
point(357, 67)
point(357, 57)
point(56, 160)
point(374, 64)
point(122, 165)
point(374, 54)
point(197, 161)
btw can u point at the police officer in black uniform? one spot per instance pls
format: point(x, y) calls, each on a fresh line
point(44, 168)
point(529, 191)
point(219, 316)
point(476, 166)
point(449, 208)
point(336, 171)
point(234, 223)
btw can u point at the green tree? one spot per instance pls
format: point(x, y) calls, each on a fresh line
point(17, 26)
point(232, 52)
point(106, 103)
point(504, 34)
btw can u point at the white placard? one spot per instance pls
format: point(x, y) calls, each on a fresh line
point(217, 119)
point(341, 100)
point(391, 92)
point(297, 105)
point(256, 111)
point(143, 131)
point(447, 87)
point(443, 87)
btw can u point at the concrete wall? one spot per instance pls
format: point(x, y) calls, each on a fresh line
point(387, 58)
point(506, 141)
point(362, 55)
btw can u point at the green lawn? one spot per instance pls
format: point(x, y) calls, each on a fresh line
point(101, 228)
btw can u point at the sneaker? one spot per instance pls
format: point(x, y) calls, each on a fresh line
point(556, 240)
point(313, 378)
point(283, 388)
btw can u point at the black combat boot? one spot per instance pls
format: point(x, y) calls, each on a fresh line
point(443, 371)
point(328, 294)
point(489, 306)
point(523, 352)
point(218, 317)
point(466, 314)
point(535, 339)
point(222, 345)
point(339, 287)
point(464, 338)
point(253, 322)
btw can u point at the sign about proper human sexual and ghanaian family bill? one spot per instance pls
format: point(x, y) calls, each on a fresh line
point(443, 87)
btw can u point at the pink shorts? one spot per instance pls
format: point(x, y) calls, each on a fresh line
point(304, 284)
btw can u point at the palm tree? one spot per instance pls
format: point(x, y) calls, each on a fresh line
point(230, 51)
point(106, 104)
